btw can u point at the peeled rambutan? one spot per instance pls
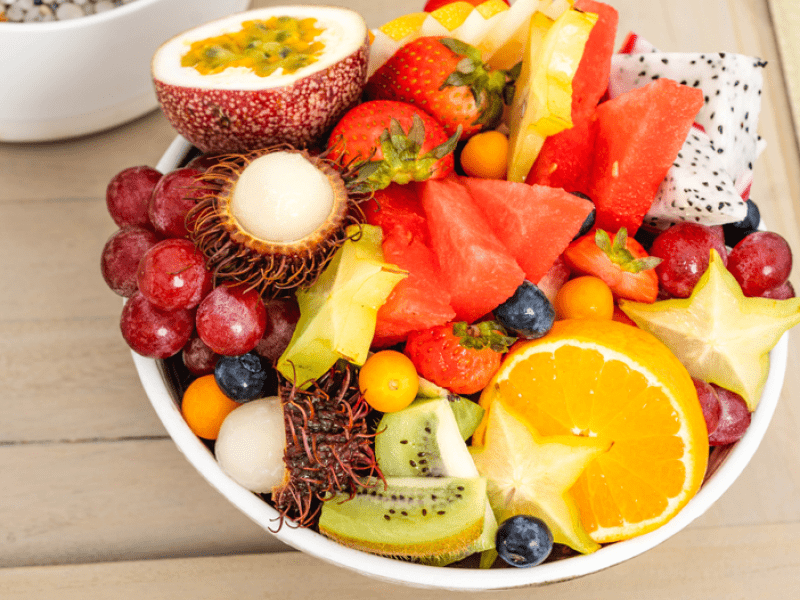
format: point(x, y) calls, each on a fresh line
point(272, 218)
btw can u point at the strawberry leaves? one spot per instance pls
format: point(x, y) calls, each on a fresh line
point(620, 255)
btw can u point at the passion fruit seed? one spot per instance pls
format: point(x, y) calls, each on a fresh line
point(282, 197)
point(264, 46)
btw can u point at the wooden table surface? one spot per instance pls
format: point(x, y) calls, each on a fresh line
point(97, 502)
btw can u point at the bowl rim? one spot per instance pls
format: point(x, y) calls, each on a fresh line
point(197, 453)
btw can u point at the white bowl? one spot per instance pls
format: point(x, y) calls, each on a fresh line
point(725, 466)
point(63, 79)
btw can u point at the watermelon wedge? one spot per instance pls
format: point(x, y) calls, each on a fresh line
point(535, 222)
point(398, 206)
point(639, 135)
point(419, 301)
point(477, 269)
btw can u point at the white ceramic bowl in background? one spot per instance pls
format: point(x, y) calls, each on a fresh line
point(725, 468)
point(63, 79)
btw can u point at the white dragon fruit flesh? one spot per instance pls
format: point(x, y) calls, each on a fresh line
point(696, 189)
point(731, 85)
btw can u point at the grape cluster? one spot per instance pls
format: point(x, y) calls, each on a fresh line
point(172, 304)
point(760, 261)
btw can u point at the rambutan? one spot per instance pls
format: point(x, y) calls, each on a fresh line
point(328, 443)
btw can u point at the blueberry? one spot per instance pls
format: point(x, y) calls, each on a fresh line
point(241, 378)
point(588, 223)
point(524, 541)
point(736, 232)
point(528, 313)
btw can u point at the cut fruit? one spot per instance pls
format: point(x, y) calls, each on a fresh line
point(234, 108)
point(459, 20)
point(616, 383)
point(478, 270)
point(338, 312)
point(528, 474)
point(468, 414)
point(720, 335)
point(535, 222)
point(414, 517)
point(563, 159)
point(639, 134)
point(543, 98)
point(422, 440)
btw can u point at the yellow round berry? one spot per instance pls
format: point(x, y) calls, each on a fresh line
point(585, 297)
point(485, 155)
point(204, 406)
point(388, 380)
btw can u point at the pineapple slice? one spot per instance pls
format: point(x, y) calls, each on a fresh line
point(543, 99)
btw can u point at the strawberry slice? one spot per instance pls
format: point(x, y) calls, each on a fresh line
point(623, 264)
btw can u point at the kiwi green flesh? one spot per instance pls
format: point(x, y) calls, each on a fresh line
point(410, 517)
point(468, 413)
point(423, 440)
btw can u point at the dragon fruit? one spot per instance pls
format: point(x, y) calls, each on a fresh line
point(696, 189)
point(731, 85)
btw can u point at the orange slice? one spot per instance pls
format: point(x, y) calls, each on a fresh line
point(615, 382)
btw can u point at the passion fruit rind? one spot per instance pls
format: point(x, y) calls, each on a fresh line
point(236, 256)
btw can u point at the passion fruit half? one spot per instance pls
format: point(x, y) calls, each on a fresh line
point(263, 77)
point(271, 219)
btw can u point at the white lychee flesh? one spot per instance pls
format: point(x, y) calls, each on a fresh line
point(250, 445)
point(281, 197)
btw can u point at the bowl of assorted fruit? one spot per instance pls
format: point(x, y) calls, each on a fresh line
point(538, 324)
point(75, 68)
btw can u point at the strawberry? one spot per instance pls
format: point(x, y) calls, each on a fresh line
point(446, 78)
point(388, 141)
point(459, 357)
point(624, 264)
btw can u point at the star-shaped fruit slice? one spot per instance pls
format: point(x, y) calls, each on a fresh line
point(530, 474)
point(720, 335)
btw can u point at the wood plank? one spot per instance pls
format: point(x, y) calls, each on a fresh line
point(70, 379)
point(707, 564)
point(108, 501)
point(786, 21)
point(55, 271)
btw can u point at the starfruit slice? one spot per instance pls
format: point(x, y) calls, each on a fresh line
point(542, 104)
point(338, 312)
point(718, 334)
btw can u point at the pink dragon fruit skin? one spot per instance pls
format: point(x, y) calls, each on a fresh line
point(696, 189)
point(731, 85)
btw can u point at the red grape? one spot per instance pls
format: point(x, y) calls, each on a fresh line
point(685, 250)
point(172, 198)
point(172, 274)
point(782, 292)
point(121, 255)
point(282, 317)
point(734, 418)
point(128, 196)
point(709, 402)
point(153, 332)
point(204, 161)
point(198, 357)
point(231, 321)
point(760, 262)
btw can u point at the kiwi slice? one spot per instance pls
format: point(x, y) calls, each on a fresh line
point(411, 517)
point(468, 413)
point(423, 440)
